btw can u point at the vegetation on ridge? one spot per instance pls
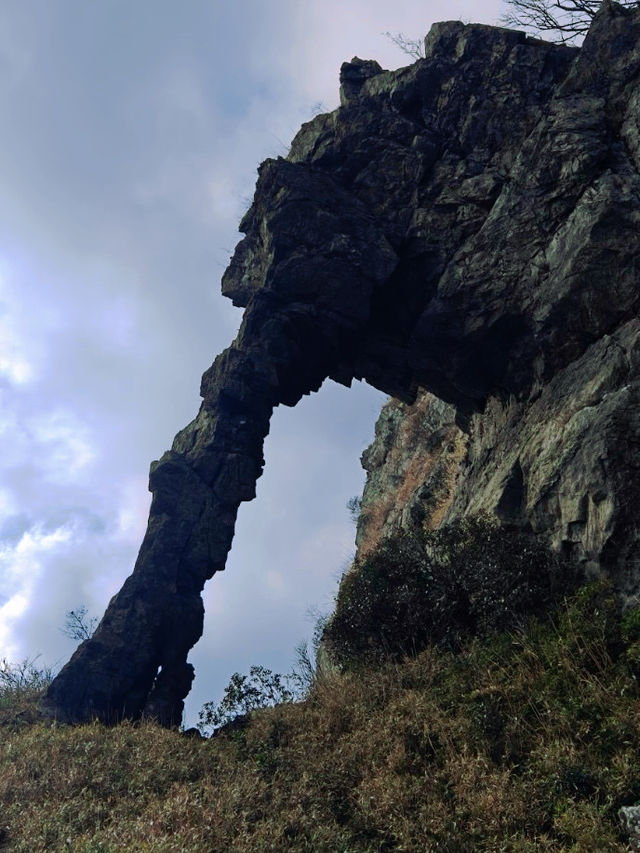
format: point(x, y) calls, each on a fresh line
point(466, 579)
point(520, 740)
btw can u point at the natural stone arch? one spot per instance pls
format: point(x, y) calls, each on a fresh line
point(436, 231)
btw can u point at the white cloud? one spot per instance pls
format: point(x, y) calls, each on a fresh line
point(133, 510)
point(7, 503)
point(21, 568)
point(64, 445)
point(16, 369)
point(181, 97)
point(14, 363)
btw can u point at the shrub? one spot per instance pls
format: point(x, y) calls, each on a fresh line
point(469, 578)
point(262, 688)
point(21, 686)
point(354, 506)
point(24, 678)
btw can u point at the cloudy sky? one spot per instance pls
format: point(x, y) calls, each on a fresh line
point(130, 135)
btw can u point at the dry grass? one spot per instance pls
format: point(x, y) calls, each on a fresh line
point(514, 744)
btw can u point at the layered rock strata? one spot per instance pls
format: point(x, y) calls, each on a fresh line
point(467, 225)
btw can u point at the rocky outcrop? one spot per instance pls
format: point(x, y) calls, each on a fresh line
point(412, 466)
point(564, 463)
point(467, 225)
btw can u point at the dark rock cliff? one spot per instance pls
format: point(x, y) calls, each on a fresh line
point(468, 226)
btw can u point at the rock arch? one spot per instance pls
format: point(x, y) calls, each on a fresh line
point(469, 225)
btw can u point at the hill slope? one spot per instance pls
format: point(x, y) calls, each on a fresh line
point(519, 742)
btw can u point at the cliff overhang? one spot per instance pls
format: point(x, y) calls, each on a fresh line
point(467, 225)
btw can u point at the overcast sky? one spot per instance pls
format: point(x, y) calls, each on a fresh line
point(130, 135)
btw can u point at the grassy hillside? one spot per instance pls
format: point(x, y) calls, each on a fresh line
point(521, 741)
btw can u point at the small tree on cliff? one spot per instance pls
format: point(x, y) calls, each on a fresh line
point(562, 21)
point(412, 47)
point(79, 625)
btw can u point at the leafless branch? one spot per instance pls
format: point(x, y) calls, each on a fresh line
point(412, 47)
point(79, 625)
point(564, 21)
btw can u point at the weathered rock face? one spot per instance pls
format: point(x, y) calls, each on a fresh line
point(413, 467)
point(467, 225)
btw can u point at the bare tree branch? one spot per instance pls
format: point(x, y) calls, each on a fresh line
point(564, 21)
point(79, 625)
point(412, 47)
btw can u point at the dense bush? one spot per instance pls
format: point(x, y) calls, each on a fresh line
point(467, 579)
